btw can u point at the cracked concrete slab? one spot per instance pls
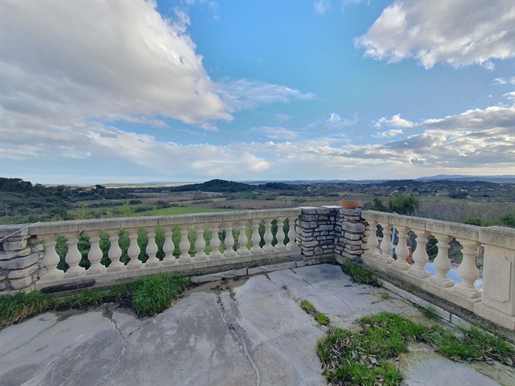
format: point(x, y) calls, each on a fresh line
point(246, 332)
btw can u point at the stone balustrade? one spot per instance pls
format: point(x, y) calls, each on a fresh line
point(48, 254)
point(495, 302)
point(201, 243)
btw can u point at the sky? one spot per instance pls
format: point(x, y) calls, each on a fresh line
point(111, 91)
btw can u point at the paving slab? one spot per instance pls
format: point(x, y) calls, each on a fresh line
point(234, 332)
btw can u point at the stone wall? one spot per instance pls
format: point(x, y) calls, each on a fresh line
point(331, 232)
point(20, 259)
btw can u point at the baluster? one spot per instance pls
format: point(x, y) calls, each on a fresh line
point(73, 257)
point(168, 248)
point(468, 270)
point(268, 236)
point(372, 241)
point(420, 256)
point(280, 235)
point(95, 256)
point(402, 250)
point(51, 259)
point(215, 243)
point(292, 235)
point(242, 239)
point(442, 262)
point(184, 245)
point(200, 245)
point(134, 250)
point(386, 244)
point(256, 237)
point(115, 252)
point(229, 242)
point(151, 250)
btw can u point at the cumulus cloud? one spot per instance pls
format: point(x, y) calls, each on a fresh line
point(394, 121)
point(389, 133)
point(510, 96)
point(337, 122)
point(460, 33)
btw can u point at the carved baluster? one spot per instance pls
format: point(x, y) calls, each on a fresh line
point(229, 242)
point(95, 256)
point(268, 236)
point(420, 255)
point(372, 241)
point(152, 250)
point(184, 245)
point(256, 237)
point(292, 234)
point(51, 259)
point(215, 243)
point(134, 250)
point(280, 235)
point(115, 252)
point(200, 245)
point(442, 262)
point(386, 244)
point(73, 257)
point(242, 239)
point(168, 248)
point(402, 250)
point(468, 270)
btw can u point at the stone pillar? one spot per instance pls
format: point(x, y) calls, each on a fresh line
point(316, 232)
point(20, 256)
point(350, 236)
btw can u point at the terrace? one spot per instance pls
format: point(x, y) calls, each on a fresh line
point(102, 252)
point(248, 330)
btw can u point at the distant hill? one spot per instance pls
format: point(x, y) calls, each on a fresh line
point(498, 179)
point(220, 186)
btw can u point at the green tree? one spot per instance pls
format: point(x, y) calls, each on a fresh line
point(403, 204)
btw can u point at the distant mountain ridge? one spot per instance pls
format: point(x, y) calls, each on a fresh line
point(457, 177)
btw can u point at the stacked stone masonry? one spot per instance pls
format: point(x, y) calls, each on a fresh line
point(20, 259)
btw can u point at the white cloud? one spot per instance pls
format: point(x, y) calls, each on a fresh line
point(337, 122)
point(475, 119)
point(459, 33)
point(511, 97)
point(246, 94)
point(394, 121)
point(322, 6)
point(389, 134)
point(503, 81)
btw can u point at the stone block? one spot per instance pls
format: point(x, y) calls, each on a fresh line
point(8, 255)
point(20, 262)
point(326, 227)
point(351, 236)
point(14, 245)
point(310, 244)
point(308, 210)
point(20, 273)
point(309, 217)
point(37, 248)
point(318, 251)
point(498, 236)
point(21, 283)
point(353, 227)
point(3, 286)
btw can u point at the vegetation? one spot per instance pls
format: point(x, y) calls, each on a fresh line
point(367, 357)
point(146, 296)
point(321, 318)
point(360, 274)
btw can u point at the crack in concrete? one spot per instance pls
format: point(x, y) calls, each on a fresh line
point(236, 336)
point(108, 313)
point(34, 337)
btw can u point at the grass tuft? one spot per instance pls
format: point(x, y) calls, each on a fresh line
point(146, 296)
point(366, 357)
point(359, 274)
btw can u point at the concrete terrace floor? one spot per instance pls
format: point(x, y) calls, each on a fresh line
point(250, 331)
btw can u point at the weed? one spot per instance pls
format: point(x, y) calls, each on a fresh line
point(385, 295)
point(147, 296)
point(322, 319)
point(307, 306)
point(364, 357)
point(359, 274)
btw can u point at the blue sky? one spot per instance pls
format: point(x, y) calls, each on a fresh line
point(138, 91)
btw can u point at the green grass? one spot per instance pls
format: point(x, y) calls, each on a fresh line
point(366, 357)
point(429, 313)
point(385, 295)
point(146, 296)
point(359, 274)
point(322, 319)
point(307, 306)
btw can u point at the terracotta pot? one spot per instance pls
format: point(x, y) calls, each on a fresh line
point(349, 204)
